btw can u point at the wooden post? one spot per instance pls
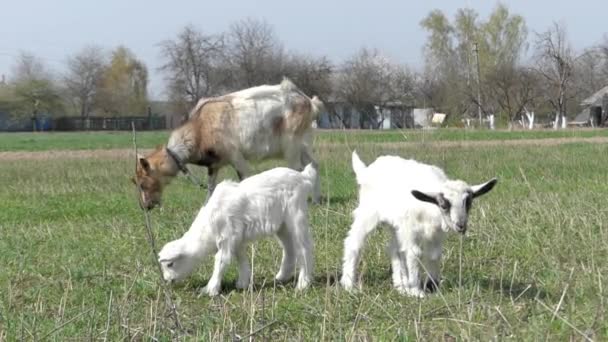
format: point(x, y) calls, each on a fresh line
point(476, 50)
point(150, 118)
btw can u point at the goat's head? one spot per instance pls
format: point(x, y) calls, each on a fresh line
point(455, 201)
point(175, 262)
point(152, 174)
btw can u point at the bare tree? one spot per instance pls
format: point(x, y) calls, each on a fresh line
point(513, 91)
point(602, 50)
point(554, 62)
point(312, 75)
point(84, 73)
point(256, 54)
point(193, 61)
point(29, 67)
point(34, 87)
point(369, 81)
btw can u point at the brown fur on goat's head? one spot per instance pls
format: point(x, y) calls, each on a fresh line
point(152, 174)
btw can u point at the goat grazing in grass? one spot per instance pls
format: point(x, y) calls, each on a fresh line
point(420, 204)
point(255, 123)
point(273, 202)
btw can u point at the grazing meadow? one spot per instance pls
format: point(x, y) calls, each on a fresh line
point(75, 263)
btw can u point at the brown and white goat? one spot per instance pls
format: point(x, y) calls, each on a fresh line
point(252, 124)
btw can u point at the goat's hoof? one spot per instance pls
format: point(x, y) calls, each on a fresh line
point(302, 284)
point(210, 291)
point(415, 292)
point(242, 284)
point(282, 278)
point(348, 285)
point(410, 291)
point(431, 285)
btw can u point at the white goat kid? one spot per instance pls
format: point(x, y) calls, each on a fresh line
point(420, 204)
point(273, 202)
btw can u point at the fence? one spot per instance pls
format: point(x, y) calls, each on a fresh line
point(71, 123)
point(109, 123)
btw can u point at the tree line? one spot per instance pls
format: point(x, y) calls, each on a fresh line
point(474, 68)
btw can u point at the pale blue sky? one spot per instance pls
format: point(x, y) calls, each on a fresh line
point(55, 29)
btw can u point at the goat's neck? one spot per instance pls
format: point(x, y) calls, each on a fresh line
point(199, 244)
point(183, 144)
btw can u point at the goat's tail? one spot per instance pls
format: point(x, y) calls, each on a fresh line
point(287, 85)
point(310, 174)
point(317, 106)
point(358, 166)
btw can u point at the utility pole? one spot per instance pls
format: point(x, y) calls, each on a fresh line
point(476, 50)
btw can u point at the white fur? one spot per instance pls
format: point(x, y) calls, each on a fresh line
point(418, 227)
point(257, 111)
point(270, 203)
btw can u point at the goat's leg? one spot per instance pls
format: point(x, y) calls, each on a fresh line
point(244, 269)
point(433, 270)
point(397, 264)
point(240, 164)
point(307, 158)
point(412, 285)
point(299, 227)
point(364, 223)
point(222, 260)
point(288, 262)
point(212, 173)
point(293, 155)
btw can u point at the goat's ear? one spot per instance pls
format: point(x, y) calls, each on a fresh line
point(144, 164)
point(426, 197)
point(483, 188)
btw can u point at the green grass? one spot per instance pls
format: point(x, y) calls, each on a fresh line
point(75, 263)
point(110, 140)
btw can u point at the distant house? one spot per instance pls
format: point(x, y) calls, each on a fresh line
point(391, 115)
point(595, 109)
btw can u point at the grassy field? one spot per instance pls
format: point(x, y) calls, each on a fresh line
point(75, 263)
point(114, 140)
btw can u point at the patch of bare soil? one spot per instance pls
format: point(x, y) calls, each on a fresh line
point(513, 142)
point(128, 153)
point(70, 154)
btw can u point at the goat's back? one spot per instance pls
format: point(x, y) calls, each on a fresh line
point(259, 120)
point(262, 202)
point(387, 183)
point(391, 172)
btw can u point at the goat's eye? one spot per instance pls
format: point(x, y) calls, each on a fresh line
point(170, 264)
point(468, 202)
point(445, 205)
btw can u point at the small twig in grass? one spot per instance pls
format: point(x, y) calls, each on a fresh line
point(91, 321)
point(564, 320)
point(522, 293)
point(167, 292)
point(561, 299)
point(374, 301)
point(446, 306)
point(105, 336)
point(460, 270)
point(459, 321)
point(25, 329)
point(253, 333)
point(65, 323)
point(503, 318)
